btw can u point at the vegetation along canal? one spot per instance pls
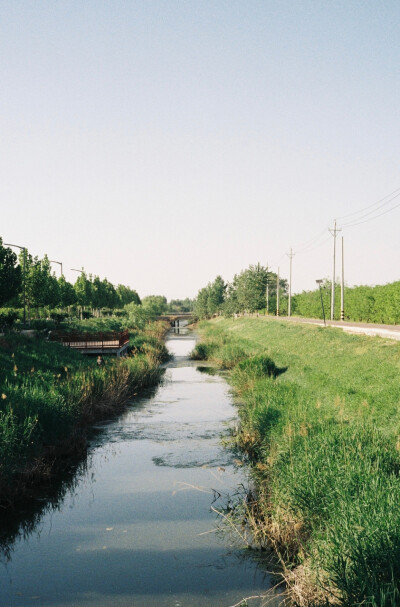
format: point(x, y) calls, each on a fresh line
point(135, 527)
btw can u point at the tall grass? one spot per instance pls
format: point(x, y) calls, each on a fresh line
point(320, 424)
point(49, 394)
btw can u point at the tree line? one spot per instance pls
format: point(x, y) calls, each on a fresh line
point(247, 293)
point(378, 304)
point(30, 280)
point(252, 290)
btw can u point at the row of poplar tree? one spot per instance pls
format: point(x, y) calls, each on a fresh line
point(31, 279)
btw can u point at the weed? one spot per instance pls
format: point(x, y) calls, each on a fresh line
point(323, 442)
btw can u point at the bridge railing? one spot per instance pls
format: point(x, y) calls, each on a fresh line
point(99, 340)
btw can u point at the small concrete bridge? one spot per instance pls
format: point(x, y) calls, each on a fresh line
point(175, 319)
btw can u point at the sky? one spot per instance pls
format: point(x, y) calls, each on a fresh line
point(161, 143)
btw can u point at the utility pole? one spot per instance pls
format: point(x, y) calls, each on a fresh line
point(267, 294)
point(334, 233)
point(319, 283)
point(342, 286)
point(277, 293)
point(290, 255)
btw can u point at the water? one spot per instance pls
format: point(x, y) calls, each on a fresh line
point(135, 526)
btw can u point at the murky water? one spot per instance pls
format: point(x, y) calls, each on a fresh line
point(136, 526)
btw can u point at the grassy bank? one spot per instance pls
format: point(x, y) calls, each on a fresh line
point(50, 394)
point(320, 423)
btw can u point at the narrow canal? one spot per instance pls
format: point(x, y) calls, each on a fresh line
point(136, 527)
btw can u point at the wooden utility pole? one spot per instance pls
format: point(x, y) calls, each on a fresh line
point(342, 286)
point(334, 233)
point(290, 255)
point(267, 295)
point(277, 293)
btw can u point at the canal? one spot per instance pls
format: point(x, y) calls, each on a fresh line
point(136, 525)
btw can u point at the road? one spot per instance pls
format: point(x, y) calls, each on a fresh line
point(388, 331)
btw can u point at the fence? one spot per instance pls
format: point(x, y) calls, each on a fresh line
point(85, 341)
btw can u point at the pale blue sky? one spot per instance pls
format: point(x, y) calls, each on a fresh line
point(162, 143)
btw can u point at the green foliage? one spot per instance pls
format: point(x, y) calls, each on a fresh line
point(58, 316)
point(215, 296)
point(43, 290)
point(10, 274)
point(155, 305)
point(67, 294)
point(246, 293)
point(257, 367)
point(251, 285)
point(178, 306)
point(47, 392)
point(127, 295)
point(138, 315)
point(7, 318)
point(41, 286)
point(324, 442)
point(380, 304)
point(94, 325)
point(83, 290)
point(350, 504)
point(210, 299)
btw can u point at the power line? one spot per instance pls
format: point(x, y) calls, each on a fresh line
point(374, 204)
point(309, 242)
point(356, 223)
point(316, 246)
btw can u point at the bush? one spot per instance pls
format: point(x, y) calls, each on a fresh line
point(58, 316)
point(259, 366)
point(8, 316)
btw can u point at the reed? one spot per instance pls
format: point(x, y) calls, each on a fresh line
point(49, 395)
point(320, 426)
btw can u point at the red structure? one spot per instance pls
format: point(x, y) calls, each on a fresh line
point(111, 342)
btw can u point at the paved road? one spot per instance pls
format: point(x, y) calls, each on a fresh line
point(388, 331)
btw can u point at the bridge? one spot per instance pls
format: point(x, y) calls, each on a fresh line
point(174, 319)
point(110, 342)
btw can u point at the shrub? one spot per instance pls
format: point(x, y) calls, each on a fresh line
point(8, 316)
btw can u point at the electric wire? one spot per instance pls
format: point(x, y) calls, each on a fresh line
point(350, 225)
point(311, 241)
point(314, 247)
point(357, 219)
point(381, 203)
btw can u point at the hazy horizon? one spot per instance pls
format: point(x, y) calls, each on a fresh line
point(161, 144)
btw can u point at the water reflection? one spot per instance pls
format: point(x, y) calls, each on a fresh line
point(131, 524)
point(23, 520)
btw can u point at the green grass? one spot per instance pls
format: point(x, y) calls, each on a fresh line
point(320, 423)
point(50, 393)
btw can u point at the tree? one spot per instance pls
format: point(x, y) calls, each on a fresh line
point(127, 295)
point(41, 285)
point(67, 295)
point(216, 296)
point(251, 288)
point(156, 305)
point(231, 304)
point(84, 290)
point(111, 299)
point(138, 315)
point(10, 274)
point(180, 305)
point(200, 306)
